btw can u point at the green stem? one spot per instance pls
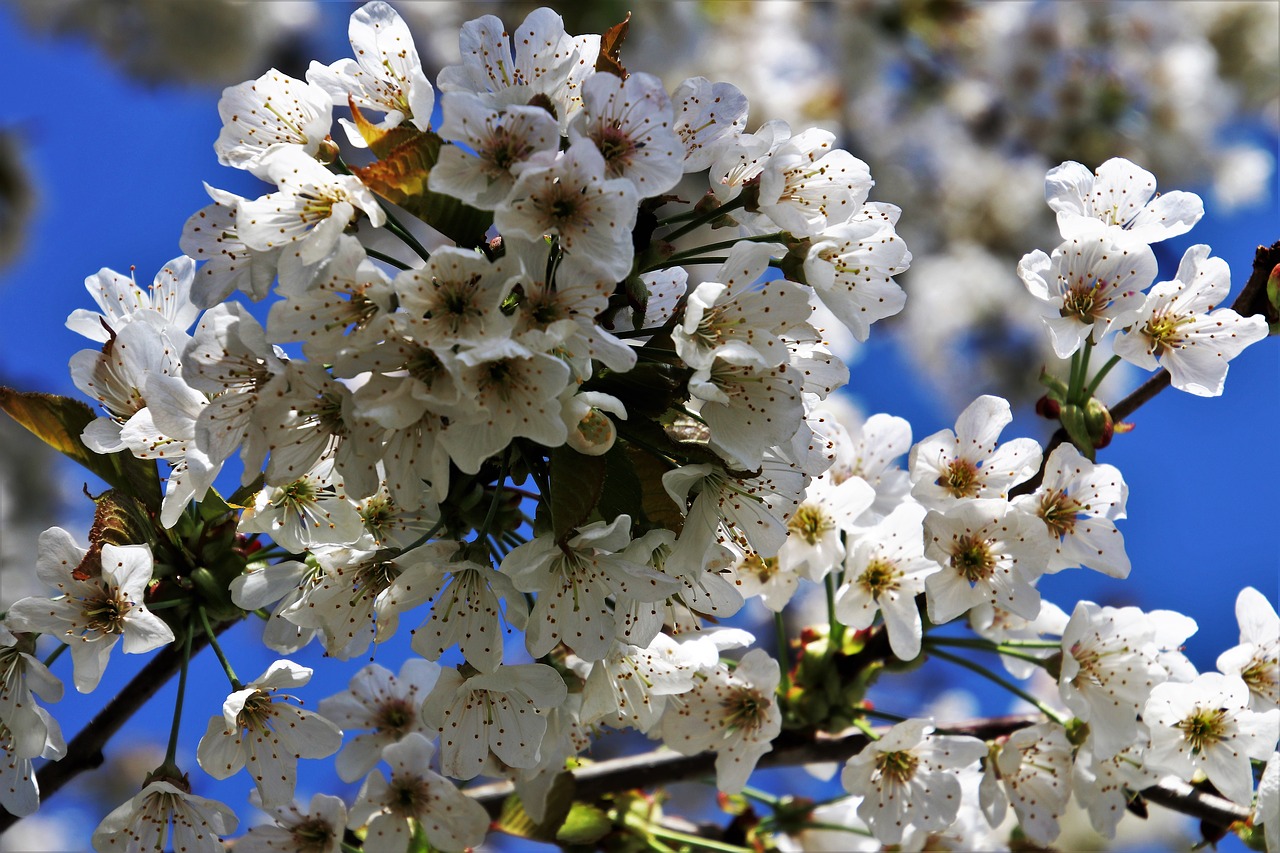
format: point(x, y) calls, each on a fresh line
point(54, 655)
point(784, 653)
point(1102, 374)
point(726, 244)
point(498, 489)
point(702, 219)
point(663, 832)
point(836, 638)
point(236, 684)
point(883, 715)
point(171, 754)
point(386, 259)
point(990, 645)
point(761, 796)
point(426, 537)
point(673, 261)
point(863, 726)
point(1005, 683)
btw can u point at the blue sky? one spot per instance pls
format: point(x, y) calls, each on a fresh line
point(118, 169)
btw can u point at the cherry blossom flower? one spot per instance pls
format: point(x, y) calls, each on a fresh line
point(732, 712)
point(1079, 502)
point(309, 511)
point(707, 118)
point(274, 109)
point(572, 580)
point(868, 451)
point(988, 554)
point(589, 213)
point(1118, 195)
point(817, 528)
point(535, 63)
point(1207, 725)
point(166, 304)
point(387, 705)
point(1108, 671)
point(492, 719)
point(1035, 765)
point(501, 143)
point(316, 830)
point(730, 319)
point(851, 265)
point(748, 409)
point(949, 467)
point(312, 207)
point(806, 184)
point(1257, 658)
point(450, 820)
point(19, 788)
point(629, 687)
point(1268, 810)
point(261, 731)
point(210, 236)
point(143, 822)
point(884, 572)
point(1104, 785)
point(1090, 283)
point(630, 121)
point(1176, 327)
point(386, 74)
point(282, 584)
point(908, 776)
point(93, 611)
point(22, 678)
point(467, 604)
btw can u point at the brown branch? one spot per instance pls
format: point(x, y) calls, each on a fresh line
point(662, 767)
point(84, 752)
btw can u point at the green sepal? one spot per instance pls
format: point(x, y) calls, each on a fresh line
point(585, 824)
point(59, 421)
point(1057, 388)
point(1072, 417)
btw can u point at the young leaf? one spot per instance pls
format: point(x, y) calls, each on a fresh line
point(58, 422)
point(610, 58)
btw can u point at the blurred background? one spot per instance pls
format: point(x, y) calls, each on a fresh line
point(107, 129)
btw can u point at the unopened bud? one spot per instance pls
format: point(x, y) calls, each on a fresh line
point(1047, 407)
point(1098, 420)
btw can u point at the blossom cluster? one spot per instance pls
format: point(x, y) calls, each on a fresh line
point(535, 328)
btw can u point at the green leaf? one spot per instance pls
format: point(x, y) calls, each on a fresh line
point(576, 483)
point(622, 493)
point(659, 509)
point(586, 824)
point(59, 421)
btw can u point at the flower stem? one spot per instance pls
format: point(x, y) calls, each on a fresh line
point(663, 832)
point(836, 630)
point(725, 244)
point(386, 259)
point(171, 753)
point(992, 646)
point(1005, 683)
point(865, 727)
point(702, 219)
point(54, 655)
point(784, 653)
point(763, 797)
point(236, 684)
point(674, 260)
point(1102, 374)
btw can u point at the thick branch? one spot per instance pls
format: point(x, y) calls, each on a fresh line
point(85, 750)
point(662, 767)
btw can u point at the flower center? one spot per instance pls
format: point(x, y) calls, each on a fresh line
point(879, 577)
point(972, 558)
point(899, 767)
point(745, 709)
point(810, 523)
point(1162, 329)
point(1059, 512)
point(1084, 300)
point(961, 479)
point(106, 614)
point(394, 716)
point(1204, 728)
